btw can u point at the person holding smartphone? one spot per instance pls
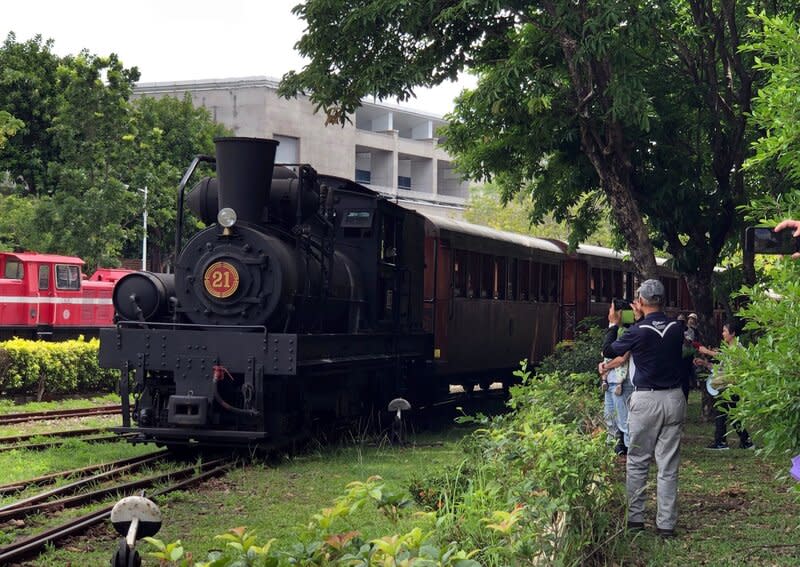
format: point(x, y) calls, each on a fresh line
point(657, 409)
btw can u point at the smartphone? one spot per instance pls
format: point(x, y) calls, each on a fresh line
point(762, 240)
point(624, 307)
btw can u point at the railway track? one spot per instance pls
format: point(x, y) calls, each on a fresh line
point(61, 440)
point(52, 435)
point(46, 479)
point(11, 418)
point(44, 503)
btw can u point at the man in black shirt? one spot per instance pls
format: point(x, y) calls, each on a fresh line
point(657, 406)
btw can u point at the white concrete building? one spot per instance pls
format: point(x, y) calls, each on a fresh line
point(391, 150)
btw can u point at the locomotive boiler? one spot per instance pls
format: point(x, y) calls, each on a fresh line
point(300, 300)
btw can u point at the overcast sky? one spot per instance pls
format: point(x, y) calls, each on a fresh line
point(170, 40)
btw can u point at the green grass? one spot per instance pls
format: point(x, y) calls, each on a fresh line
point(274, 499)
point(20, 465)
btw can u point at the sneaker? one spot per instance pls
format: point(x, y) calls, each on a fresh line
point(665, 532)
point(718, 446)
point(746, 445)
point(635, 526)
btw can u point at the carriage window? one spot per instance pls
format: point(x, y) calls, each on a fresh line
point(500, 278)
point(487, 276)
point(545, 270)
point(536, 269)
point(67, 277)
point(595, 285)
point(459, 273)
point(474, 275)
point(552, 285)
point(513, 278)
point(524, 280)
point(671, 288)
point(44, 276)
point(13, 270)
point(605, 287)
point(618, 284)
point(629, 287)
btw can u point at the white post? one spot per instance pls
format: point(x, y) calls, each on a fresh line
point(144, 225)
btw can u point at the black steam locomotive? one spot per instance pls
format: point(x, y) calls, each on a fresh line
point(300, 300)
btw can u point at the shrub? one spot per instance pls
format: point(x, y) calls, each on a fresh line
point(329, 539)
point(580, 355)
point(539, 484)
point(764, 373)
point(40, 368)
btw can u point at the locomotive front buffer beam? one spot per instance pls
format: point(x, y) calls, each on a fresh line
point(184, 355)
point(252, 354)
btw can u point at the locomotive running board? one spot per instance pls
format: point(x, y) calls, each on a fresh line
point(156, 348)
point(169, 435)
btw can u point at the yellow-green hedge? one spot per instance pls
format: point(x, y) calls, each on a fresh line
point(41, 367)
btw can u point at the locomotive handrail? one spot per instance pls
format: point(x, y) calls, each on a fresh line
point(181, 189)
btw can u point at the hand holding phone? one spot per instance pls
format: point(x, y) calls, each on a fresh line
point(777, 240)
point(790, 223)
point(625, 311)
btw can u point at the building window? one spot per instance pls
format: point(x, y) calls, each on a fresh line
point(363, 176)
point(288, 150)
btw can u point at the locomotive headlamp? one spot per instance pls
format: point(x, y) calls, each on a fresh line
point(226, 217)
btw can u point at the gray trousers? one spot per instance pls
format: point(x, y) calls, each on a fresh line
point(655, 424)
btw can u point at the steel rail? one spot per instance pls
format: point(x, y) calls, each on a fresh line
point(34, 505)
point(68, 433)
point(75, 486)
point(11, 418)
point(27, 546)
point(52, 477)
point(48, 444)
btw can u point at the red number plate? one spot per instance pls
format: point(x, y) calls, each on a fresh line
point(221, 280)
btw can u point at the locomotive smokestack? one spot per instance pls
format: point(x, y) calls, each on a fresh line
point(244, 174)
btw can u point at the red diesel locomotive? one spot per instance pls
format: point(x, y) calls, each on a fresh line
point(48, 296)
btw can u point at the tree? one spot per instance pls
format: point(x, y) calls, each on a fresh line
point(641, 105)
point(8, 126)
point(76, 164)
point(29, 91)
point(485, 206)
point(163, 136)
point(775, 108)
